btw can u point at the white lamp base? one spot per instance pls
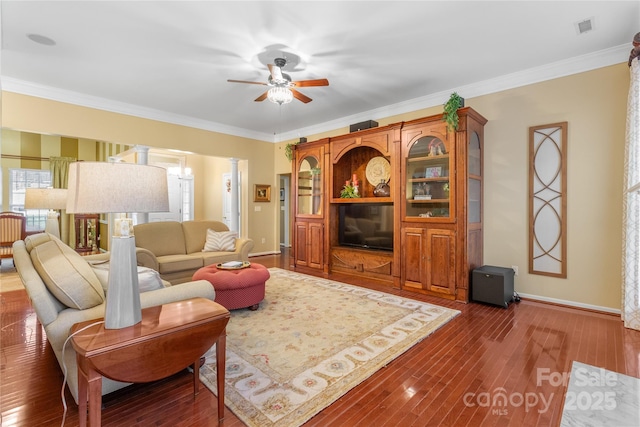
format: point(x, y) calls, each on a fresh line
point(123, 295)
point(52, 227)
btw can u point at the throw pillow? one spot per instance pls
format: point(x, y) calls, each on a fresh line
point(148, 279)
point(218, 241)
point(67, 275)
point(34, 240)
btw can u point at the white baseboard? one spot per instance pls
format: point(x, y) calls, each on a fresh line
point(570, 303)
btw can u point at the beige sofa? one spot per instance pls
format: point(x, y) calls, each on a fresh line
point(175, 249)
point(64, 290)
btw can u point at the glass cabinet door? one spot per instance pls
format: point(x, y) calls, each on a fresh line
point(87, 232)
point(428, 187)
point(474, 183)
point(309, 187)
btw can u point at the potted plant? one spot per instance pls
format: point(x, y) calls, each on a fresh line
point(288, 150)
point(451, 111)
point(349, 192)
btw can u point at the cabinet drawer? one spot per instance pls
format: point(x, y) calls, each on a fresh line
point(366, 263)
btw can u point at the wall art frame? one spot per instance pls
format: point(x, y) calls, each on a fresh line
point(548, 199)
point(261, 193)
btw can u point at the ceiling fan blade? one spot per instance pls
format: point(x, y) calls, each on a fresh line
point(244, 81)
point(261, 97)
point(309, 83)
point(300, 97)
point(276, 73)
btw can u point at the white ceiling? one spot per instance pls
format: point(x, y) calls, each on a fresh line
point(170, 60)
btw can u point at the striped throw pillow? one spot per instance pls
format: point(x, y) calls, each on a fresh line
point(220, 241)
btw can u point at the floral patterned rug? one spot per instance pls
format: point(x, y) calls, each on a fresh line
point(310, 342)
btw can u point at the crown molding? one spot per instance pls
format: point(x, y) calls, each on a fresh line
point(575, 65)
point(75, 98)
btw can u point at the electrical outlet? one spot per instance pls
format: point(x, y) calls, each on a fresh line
point(264, 240)
point(515, 268)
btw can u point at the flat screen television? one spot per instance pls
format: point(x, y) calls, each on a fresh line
point(366, 225)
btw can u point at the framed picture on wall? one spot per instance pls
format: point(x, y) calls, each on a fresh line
point(262, 193)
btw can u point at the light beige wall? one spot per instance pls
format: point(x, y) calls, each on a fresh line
point(593, 103)
point(213, 196)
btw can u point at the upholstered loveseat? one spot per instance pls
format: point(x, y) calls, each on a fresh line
point(177, 249)
point(64, 290)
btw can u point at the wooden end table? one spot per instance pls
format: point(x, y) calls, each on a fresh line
point(169, 338)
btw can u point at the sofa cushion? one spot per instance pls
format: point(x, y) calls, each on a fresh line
point(195, 233)
point(67, 276)
point(174, 263)
point(148, 279)
point(220, 241)
point(218, 257)
point(161, 238)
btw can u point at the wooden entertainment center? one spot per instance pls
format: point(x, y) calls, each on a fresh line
point(425, 236)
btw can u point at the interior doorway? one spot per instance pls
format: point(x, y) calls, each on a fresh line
point(180, 200)
point(284, 194)
point(226, 200)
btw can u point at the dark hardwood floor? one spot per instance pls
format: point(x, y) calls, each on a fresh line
point(449, 379)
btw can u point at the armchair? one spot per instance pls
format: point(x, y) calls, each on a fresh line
point(12, 229)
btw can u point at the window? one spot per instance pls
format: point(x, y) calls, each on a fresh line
point(19, 181)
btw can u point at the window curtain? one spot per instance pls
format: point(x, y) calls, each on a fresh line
point(59, 167)
point(631, 206)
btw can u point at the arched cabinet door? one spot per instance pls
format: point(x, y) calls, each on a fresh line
point(429, 164)
point(310, 210)
point(441, 204)
point(310, 191)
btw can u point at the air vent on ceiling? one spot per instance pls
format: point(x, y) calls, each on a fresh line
point(585, 26)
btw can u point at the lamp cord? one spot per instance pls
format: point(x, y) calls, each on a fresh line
point(64, 369)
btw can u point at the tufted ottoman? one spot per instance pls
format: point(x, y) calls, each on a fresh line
point(236, 288)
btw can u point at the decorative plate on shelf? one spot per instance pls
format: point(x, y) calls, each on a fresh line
point(233, 265)
point(378, 169)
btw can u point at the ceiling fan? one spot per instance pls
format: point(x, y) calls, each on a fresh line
point(282, 89)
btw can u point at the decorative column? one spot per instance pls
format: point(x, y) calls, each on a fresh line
point(235, 213)
point(142, 156)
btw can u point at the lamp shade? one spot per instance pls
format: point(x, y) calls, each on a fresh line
point(45, 198)
point(102, 187)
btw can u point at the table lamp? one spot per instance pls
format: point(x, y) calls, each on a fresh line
point(101, 187)
point(47, 198)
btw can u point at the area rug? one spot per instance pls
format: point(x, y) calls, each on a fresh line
point(597, 397)
point(310, 342)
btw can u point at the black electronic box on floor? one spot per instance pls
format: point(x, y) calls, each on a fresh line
point(493, 285)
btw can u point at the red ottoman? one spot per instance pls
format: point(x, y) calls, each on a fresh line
point(236, 288)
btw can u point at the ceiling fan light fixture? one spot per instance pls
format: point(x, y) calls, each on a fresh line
point(280, 95)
